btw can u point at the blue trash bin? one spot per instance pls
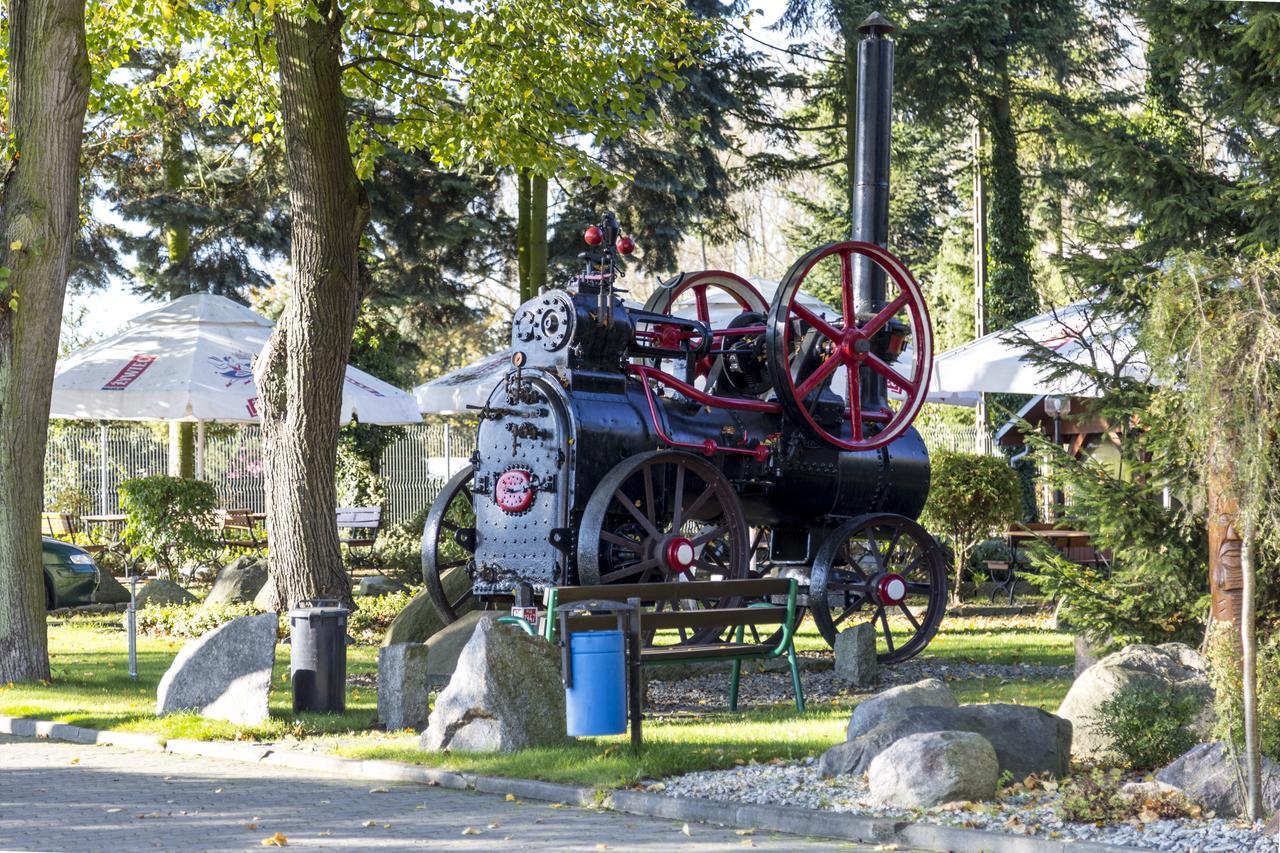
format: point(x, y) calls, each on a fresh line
point(596, 703)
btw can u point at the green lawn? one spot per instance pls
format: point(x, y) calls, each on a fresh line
point(675, 745)
point(977, 639)
point(91, 687)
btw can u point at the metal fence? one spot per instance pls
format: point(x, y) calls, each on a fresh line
point(85, 463)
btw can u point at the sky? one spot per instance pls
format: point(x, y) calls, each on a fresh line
point(107, 311)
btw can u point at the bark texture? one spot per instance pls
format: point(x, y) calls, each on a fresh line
point(301, 371)
point(48, 92)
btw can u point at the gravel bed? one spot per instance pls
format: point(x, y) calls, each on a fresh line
point(823, 686)
point(800, 785)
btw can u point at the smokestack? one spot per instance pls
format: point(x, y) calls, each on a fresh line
point(871, 174)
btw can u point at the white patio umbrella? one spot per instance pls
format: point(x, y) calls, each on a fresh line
point(192, 360)
point(472, 384)
point(1079, 333)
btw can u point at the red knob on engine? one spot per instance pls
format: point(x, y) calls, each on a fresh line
point(625, 245)
point(594, 236)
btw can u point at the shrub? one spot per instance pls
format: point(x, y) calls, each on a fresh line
point(1156, 589)
point(970, 497)
point(188, 620)
point(375, 614)
point(358, 484)
point(170, 519)
point(398, 551)
point(1149, 728)
point(1096, 797)
point(1225, 676)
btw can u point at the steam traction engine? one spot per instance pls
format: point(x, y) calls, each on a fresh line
point(630, 445)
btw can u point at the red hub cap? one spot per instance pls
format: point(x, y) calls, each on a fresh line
point(891, 589)
point(679, 554)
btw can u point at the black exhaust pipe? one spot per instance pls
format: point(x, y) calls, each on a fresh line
point(871, 174)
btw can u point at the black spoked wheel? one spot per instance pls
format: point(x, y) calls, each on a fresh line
point(447, 566)
point(888, 568)
point(664, 516)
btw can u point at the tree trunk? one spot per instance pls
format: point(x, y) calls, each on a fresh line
point(537, 234)
point(1011, 292)
point(524, 201)
point(48, 92)
point(177, 241)
point(1249, 675)
point(301, 371)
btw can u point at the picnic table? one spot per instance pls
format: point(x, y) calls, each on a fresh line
point(1075, 545)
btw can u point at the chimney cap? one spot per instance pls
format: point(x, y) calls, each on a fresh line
point(876, 25)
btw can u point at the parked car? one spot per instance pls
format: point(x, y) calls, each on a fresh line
point(70, 574)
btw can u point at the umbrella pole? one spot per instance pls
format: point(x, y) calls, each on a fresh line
point(103, 489)
point(199, 450)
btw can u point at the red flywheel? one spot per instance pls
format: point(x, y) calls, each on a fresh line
point(805, 348)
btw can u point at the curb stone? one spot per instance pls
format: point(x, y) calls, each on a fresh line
point(805, 822)
point(533, 789)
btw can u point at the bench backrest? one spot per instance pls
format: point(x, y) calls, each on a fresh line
point(672, 619)
point(691, 591)
point(58, 524)
point(365, 517)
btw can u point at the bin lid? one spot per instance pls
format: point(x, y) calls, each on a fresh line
point(318, 607)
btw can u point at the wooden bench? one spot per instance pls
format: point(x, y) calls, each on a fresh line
point(237, 528)
point(709, 625)
point(63, 526)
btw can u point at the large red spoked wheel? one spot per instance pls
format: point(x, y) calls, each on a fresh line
point(805, 349)
point(691, 290)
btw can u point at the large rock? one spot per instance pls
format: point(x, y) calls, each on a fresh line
point(110, 590)
point(1026, 740)
point(402, 686)
point(224, 674)
point(506, 695)
point(446, 645)
point(238, 582)
point(161, 592)
point(855, 654)
point(1172, 669)
point(934, 768)
point(1209, 775)
point(888, 704)
point(376, 585)
point(420, 620)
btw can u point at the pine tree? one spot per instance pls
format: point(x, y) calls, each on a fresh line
point(678, 176)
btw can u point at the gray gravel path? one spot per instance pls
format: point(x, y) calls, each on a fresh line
point(65, 797)
point(802, 785)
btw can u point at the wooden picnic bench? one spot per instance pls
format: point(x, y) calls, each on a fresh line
point(66, 527)
point(713, 632)
point(1075, 545)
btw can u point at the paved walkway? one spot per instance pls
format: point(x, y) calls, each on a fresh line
point(65, 797)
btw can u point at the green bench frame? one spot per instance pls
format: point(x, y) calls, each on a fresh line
point(738, 618)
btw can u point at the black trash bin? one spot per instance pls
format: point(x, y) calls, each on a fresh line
point(318, 656)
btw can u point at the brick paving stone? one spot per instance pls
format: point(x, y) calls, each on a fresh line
point(71, 797)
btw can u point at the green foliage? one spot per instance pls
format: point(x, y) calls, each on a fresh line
point(1149, 728)
point(970, 497)
point(185, 621)
point(170, 519)
point(358, 484)
point(398, 551)
point(376, 613)
point(1155, 590)
point(1224, 675)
